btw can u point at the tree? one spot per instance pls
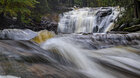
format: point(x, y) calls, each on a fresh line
point(16, 8)
point(137, 8)
point(84, 2)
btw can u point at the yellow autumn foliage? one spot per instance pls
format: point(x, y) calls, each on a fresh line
point(43, 36)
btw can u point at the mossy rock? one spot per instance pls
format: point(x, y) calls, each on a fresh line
point(133, 28)
point(43, 36)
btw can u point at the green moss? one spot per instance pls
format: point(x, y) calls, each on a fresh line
point(132, 28)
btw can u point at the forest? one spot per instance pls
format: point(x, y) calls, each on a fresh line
point(29, 13)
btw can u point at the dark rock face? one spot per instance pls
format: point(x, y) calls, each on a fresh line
point(26, 59)
point(10, 23)
point(48, 24)
point(104, 12)
point(45, 24)
point(128, 28)
point(132, 26)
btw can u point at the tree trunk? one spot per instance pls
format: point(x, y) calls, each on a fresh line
point(2, 19)
point(84, 3)
point(137, 8)
point(62, 1)
point(18, 22)
point(72, 2)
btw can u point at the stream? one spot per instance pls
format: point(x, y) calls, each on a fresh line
point(81, 49)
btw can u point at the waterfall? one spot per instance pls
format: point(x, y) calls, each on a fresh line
point(96, 55)
point(88, 20)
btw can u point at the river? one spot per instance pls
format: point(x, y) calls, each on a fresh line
point(82, 49)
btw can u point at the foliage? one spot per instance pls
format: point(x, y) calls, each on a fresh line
point(23, 9)
point(44, 7)
point(13, 7)
point(43, 36)
point(16, 7)
point(78, 2)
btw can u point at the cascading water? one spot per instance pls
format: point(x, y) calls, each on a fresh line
point(119, 62)
point(98, 55)
point(81, 50)
point(88, 20)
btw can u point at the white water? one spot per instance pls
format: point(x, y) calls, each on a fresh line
point(75, 55)
point(123, 58)
point(118, 62)
point(88, 20)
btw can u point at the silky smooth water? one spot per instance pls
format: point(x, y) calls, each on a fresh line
point(100, 55)
point(88, 20)
point(117, 62)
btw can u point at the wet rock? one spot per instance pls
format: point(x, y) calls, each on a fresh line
point(7, 76)
point(48, 24)
point(120, 27)
point(123, 26)
point(86, 33)
point(133, 28)
point(117, 32)
point(26, 59)
point(43, 36)
point(100, 41)
point(17, 34)
point(104, 12)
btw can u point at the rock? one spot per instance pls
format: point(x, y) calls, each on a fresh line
point(8, 76)
point(43, 36)
point(123, 26)
point(86, 33)
point(49, 22)
point(17, 34)
point(104, 12)
point(117, 32)
point(135, 22)
point(101, 40)
point(133, 28)
point(120, 27)
point(49, 25)
point(26, 59)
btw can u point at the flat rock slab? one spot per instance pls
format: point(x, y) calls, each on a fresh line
point(17, 34)
point(7, 76)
